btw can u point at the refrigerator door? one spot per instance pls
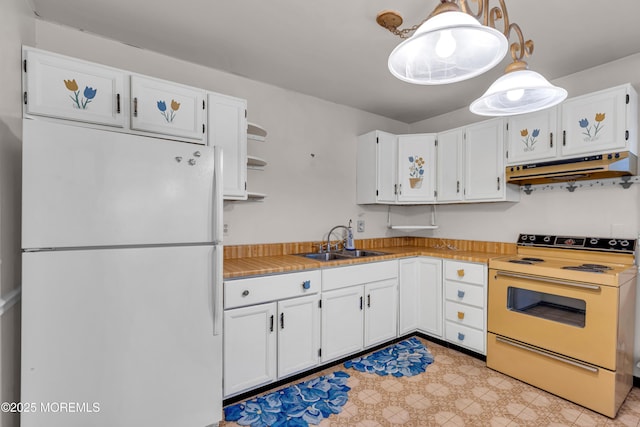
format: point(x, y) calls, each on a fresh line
point(91, 188)
point(124, 334)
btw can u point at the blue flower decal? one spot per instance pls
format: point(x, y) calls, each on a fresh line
point(583, 123)
point(89, 92)
point(296, 406)
point(162, 106)
point(404, 359)
point(535, 133)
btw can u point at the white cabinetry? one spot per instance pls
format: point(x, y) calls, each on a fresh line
point(600, 122)
point(465, 310)
point(532, 137)
point(271, 328)
point(71, 89)
point(359, 307)
point(420, 305)
point(227, 128)
point(256, 134)
point(471, 164)
point(395, 169)
point(167, 108)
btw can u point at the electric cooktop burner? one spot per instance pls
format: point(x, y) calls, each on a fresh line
point(533, 259)
point(589, 268)
point(526, 260)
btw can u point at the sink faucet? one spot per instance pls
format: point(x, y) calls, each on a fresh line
point(329, 237)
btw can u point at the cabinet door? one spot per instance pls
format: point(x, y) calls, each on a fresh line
point(66, 88)
point(595, 123)
point(227, 128)
point(450, 166)
point(298, 334)
point(430, 296)
point(381, 314)
point(167, 108)
point(409, 288)
point(387, 151)
point(416, 168)
point(484, 161)
point(249, 347)
point(532, 137)
point(342, 322)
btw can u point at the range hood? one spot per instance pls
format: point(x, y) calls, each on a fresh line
point(589, 167)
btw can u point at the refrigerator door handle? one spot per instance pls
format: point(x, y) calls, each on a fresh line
point(217, 238)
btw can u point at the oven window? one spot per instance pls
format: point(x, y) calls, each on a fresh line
point(570, 311)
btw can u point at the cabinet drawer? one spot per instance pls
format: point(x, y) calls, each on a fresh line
point(466, 294)
point(343, 277)
point(461, 314)
point(465, 272)
point(465, 336)
point(257, 290)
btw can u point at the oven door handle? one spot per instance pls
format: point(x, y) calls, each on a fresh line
point(549, 355)
point(548, 280)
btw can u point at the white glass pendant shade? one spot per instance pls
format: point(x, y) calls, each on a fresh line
point(518, 92)
point(449, 47)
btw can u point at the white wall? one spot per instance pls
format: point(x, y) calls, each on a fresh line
point(16, 27)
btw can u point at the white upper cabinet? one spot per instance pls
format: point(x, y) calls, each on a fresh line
point(71, 89)
point(450, 155)
point(167, 108)
point(227, 128)
point(600, 122)
point(416, 168)
point(484, 163)
point(532, 137)
point(395, 169)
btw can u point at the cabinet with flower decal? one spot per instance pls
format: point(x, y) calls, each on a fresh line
point(71, 89)
point(167, 108)
point(532, 137)
point(600, 122)
point(416, 168)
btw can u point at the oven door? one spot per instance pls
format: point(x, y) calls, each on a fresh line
point(575, 319)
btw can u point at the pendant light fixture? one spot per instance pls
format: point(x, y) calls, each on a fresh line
point(452, 45)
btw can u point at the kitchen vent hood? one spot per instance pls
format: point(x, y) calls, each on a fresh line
point(598, 166)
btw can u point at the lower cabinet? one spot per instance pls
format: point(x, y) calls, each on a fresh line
point(359, 307)
point(420, 305)
point(264, 342)
point(466, 304)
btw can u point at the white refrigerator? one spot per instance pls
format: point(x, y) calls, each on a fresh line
point(121, 279)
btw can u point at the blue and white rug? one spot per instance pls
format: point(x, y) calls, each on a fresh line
point(404, 359)
point(295, 406)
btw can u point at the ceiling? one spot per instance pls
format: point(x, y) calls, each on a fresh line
point(334, 50)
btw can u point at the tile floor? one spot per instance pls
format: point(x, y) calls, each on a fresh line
point(459, 390)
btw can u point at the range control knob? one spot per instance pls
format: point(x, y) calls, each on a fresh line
point(532, 238)
point(612, 242)
point(593, 241)
point(624, 243)
point(547, 239)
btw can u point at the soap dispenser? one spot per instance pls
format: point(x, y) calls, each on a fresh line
point(350, 246)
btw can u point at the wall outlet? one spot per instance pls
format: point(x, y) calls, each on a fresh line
point(225, 228)
point(360, 226)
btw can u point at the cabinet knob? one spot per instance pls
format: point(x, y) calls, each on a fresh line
point(306, 284)
point(461, 272)
point(245, 293)
point(460, 293)
point(460, 336)
point(461, 315)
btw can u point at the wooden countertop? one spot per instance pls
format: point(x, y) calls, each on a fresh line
point(260, 265)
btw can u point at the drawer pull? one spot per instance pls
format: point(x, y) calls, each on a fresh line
point(460, 336)
point(245, 293)
point(549, 355)
point(306, 284)
point(461, 315)
point(461, 272)
point(460, 293)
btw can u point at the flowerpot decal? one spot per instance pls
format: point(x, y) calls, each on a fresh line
point(168, 115)
point(529, 141)
point(590, 131)
point(416, 171)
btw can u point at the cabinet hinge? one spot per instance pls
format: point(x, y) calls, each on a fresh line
point(203, 105)
point(25, 97)
point(626, 102)
point(377, 140)
point(24, 67)
point(435, 193)
point(203, 128)
point(626, 134)
point(507, 125)
point(319, 303)
point(436, 142)
point(507, 154)
point(245, 186)
point(376, 192)
point(319, 352)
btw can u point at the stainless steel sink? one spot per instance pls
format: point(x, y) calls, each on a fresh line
point(329, 256)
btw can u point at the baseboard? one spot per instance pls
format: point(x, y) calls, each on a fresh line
point(10, 300)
